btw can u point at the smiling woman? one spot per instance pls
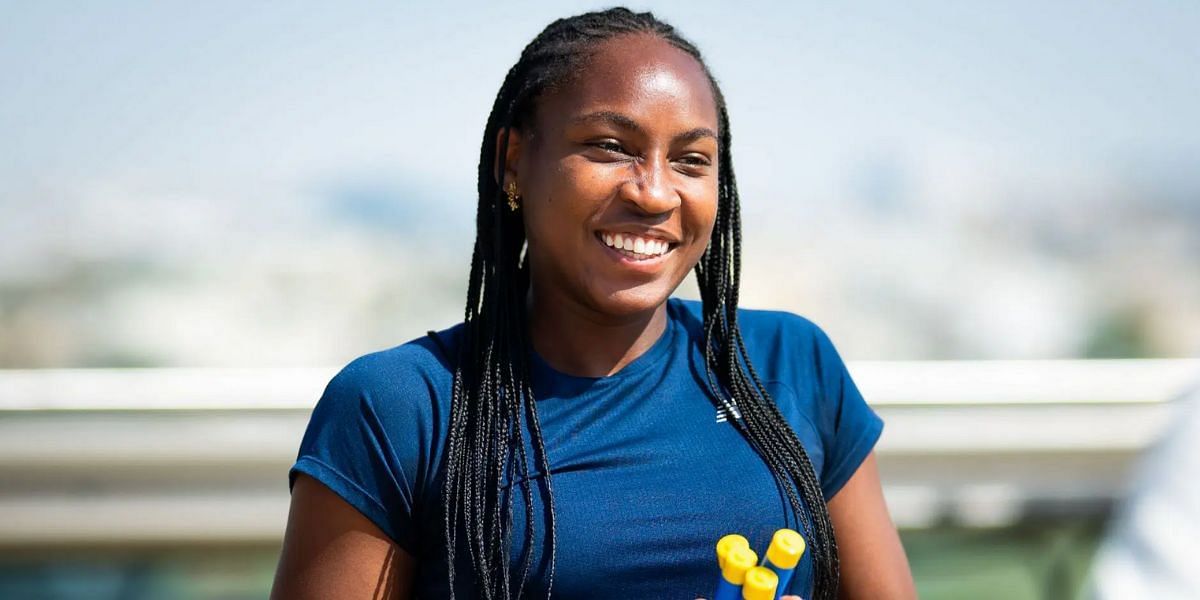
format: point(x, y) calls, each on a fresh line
point(582, 433)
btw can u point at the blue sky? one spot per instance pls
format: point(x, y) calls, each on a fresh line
point(931, 177)
point(296, 95)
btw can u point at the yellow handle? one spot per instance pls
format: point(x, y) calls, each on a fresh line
point(760, 584)
point(728, 543)
point(738, 562)
point(786, 548)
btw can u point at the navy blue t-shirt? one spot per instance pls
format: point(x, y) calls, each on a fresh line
point(647, 473)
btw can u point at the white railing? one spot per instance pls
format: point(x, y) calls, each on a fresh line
point(186, 456)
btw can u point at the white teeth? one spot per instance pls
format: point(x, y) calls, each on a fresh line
point(630, 243)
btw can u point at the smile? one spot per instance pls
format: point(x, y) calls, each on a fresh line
point(635, 247)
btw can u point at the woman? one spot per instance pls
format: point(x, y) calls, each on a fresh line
point(581, 433)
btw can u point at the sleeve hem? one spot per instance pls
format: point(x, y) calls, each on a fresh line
point(354, 495)
point(854, 458)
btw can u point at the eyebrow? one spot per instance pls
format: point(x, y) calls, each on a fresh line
point(624, 122)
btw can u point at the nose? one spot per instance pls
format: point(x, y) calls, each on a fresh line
point(651, 189)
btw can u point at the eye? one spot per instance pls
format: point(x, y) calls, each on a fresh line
point(693, 165)
point(695, 160)
point(609, 146)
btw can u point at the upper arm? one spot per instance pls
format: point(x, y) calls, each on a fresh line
point(873, 564)
point(330, 550)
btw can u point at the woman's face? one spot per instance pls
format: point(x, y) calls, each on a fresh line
point(626, 154)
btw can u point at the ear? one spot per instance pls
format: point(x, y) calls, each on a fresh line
point(512, 156)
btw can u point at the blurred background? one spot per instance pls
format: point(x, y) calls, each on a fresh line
point(207, 208)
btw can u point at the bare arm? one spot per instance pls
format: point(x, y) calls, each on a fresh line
point(330, 550)
point(873, 563)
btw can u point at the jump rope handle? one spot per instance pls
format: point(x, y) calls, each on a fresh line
point(740, 579)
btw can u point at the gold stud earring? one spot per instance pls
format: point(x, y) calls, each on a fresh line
point(513, 196)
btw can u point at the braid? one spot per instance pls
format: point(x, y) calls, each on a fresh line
point(492, 398)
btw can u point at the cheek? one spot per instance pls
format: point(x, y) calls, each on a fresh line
point(583, 180)
point(702, 213)
point(576, 184)
point(561, 202)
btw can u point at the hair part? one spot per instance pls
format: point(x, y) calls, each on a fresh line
point(493, 405)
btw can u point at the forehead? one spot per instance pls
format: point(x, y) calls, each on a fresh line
point(641, 76)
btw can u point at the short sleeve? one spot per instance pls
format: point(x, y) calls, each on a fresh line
point(849, 427)
point(364, 446)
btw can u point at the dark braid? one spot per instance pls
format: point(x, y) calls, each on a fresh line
point(493, 404)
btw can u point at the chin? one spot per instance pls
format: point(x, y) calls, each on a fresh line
point(633, 300)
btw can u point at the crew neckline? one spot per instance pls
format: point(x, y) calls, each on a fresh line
point(545, 374)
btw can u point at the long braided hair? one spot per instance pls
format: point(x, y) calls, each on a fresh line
point(493, 405)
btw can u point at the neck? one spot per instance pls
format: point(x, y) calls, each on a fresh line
point(578, 341)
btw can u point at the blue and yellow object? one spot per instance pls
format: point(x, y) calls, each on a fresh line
point(782, 556)
point(760, 583)
point(738, 561)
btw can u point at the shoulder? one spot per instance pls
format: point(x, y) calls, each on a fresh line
point(753, 320)
point(765, 331)
point(408, 375)
point(781, 326)
point(791, 349)
point(374, 434)
point(784, 347)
